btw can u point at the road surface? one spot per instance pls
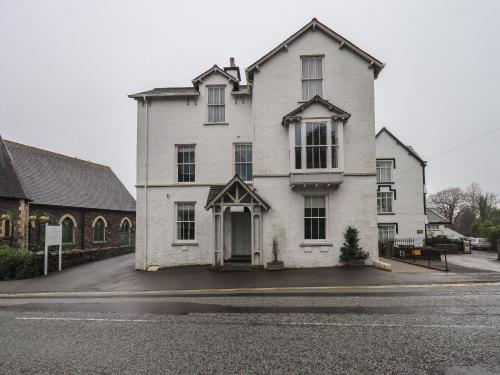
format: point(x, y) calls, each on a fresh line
point(421, 330)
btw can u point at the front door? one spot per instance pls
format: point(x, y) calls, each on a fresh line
point(241, 232)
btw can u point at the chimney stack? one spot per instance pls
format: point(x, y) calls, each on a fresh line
point(233, 69)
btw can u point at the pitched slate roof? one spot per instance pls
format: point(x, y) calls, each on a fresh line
point(10, 186)
point(213, 192)
point(295, 115)
point(216, 192)
point(410, 149)
point(54, 179)
point(171, 92)
point(314, 25)
point(434, 217)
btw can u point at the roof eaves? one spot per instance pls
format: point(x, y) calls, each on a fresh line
point(214, 69)
point(294, 116)
point(409, 149)
point(376, 64)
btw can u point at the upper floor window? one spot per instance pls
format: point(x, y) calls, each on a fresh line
point(185, 163)
point(185, 221)
point(315, 217)
point(312, 77)
point(384, 170)
point(216, 104)
point(316, 145)
point(243, 161)
point(384, 201)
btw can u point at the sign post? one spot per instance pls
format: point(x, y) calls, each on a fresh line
point(53, 237)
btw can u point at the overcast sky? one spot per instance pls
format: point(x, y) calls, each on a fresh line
point(66, 68)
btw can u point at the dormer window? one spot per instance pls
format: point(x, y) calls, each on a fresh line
point(312, 77)
point(216, 104)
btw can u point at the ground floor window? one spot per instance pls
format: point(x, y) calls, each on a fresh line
point(67, 231)
point(386, 232)
point(185, 221)
point(125, 233)
point(315, 217)
point(6, 227)
point(99, 230)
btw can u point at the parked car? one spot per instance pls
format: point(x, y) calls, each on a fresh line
point(442, 239)
point(480, 244)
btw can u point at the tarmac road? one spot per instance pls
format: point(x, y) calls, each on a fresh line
point(422, 330)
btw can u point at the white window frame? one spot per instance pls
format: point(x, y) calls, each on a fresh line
point(384, 195)
point(391, 170)
point(235, 145)
point(176, 167)
point(223, 104)
point(382, 227)
point(306, 78)
point(327, 232)
point(176, 221)
point(339, 128)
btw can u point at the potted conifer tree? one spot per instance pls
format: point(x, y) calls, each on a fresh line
point(351, 254)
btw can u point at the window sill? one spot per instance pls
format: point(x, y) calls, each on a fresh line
point(99, 242)
point(216, 123)
point(185, 243)
point(386, 213)
point(385, 182)
point(312, 244)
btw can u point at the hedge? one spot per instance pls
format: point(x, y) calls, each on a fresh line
point(16, 264)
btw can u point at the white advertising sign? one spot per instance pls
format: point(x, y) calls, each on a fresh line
point(53, 237)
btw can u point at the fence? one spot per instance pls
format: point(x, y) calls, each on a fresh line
point(404, 249)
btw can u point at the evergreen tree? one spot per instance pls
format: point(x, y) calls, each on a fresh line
point(350, 250)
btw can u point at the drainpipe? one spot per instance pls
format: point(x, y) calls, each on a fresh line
point(82, 230)
point(146, 185)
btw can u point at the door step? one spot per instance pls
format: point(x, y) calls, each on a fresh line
point(236, 267)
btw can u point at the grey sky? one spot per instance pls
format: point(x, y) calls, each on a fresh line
point(66, 68)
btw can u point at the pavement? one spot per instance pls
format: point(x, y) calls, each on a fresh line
point(484, 260)
point(119, 276)
point(448, 330)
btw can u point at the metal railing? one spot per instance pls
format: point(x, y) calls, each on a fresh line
point(404, 250)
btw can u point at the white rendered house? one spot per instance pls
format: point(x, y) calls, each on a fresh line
point(401, 208)
point(225, 168)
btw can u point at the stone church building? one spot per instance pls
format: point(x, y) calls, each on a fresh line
point(39, 187)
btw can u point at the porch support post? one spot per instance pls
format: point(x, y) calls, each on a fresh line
point(221, 235)
point(252, 235)
point(214, 217)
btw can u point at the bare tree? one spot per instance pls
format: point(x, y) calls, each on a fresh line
point(447, 202)
point(472, 195)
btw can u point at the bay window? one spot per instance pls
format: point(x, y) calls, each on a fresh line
point(316, 146)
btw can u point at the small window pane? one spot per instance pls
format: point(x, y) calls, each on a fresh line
point(185, 163)
point(243, 161)
point(314, 217)
point(185, 221)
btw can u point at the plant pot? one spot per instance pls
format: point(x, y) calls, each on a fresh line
point(355, 262)
point(275, 266)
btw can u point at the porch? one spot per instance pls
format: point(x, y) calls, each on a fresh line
point(237, 224)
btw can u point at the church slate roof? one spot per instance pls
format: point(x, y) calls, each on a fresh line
point(10, 186)
point(53, 179)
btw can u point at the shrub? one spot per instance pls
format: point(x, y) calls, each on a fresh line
point(16, 264)
point(350, 250)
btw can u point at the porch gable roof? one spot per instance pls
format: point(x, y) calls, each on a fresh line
point(217, 191)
